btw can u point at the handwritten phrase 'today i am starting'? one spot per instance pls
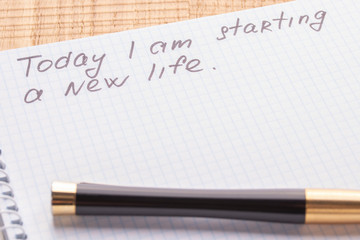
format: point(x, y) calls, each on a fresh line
point(92, 64)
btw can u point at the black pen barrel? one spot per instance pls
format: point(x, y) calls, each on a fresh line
point(260, 205)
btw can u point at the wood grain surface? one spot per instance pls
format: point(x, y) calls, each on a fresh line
point(32, 22)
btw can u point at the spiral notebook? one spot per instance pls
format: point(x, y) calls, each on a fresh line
point(262, 98)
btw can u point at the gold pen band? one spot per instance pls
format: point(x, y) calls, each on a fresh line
point(330, 206)
point(63, 198)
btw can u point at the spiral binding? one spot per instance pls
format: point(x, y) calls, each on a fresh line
point(11, 229)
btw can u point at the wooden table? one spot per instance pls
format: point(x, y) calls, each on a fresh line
point(32, 22)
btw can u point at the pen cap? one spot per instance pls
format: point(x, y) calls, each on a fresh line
point(332, 206)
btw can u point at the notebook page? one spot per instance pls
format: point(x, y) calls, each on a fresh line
point(278, 109)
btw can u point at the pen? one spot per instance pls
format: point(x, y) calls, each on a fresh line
point(326, 206)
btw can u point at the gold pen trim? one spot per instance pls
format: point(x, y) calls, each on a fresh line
point(329, 206)
point(63, 198)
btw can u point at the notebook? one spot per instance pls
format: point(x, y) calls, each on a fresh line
point(262, 98)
